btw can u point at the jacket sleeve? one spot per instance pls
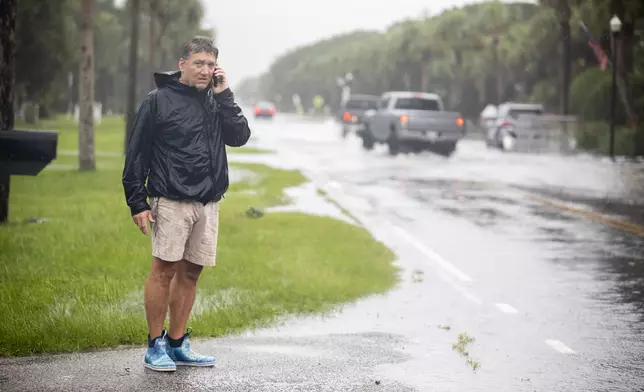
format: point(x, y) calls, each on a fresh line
point(234, 124)
point(137, 156)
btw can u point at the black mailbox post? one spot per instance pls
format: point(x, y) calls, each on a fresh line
point(26, 152)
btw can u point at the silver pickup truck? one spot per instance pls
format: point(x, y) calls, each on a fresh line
point(412, 119)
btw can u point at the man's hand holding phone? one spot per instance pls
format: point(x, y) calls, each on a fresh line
point(220, 83)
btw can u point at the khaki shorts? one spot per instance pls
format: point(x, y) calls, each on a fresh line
point(184, 230)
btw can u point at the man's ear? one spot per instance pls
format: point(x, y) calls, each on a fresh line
point(182, 64)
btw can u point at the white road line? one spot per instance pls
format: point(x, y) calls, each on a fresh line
point(505, 308)
point(559, 346)
point(458, 287)
point(471, 297)
point(433, 256)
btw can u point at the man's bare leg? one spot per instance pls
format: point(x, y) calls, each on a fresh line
point(183, 290)
point(157, 294)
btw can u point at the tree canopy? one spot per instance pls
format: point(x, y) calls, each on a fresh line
point(473, 55)
point(48, 43)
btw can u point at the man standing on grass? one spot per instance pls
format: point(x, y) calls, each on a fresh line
point(178, 145)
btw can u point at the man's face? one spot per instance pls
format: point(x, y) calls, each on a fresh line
point(197, 70)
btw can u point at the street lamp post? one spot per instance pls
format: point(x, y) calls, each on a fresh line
point(344, 82)
point(341, 83)
point(348, 81)
point(615, 27)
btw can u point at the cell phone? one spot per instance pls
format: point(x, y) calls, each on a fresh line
point(215, 80)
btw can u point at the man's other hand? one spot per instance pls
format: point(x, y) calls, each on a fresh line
point(142, 220)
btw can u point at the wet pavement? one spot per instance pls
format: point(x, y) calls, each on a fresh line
point(518, 253)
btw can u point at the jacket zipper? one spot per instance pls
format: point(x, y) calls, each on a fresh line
point(209, 120)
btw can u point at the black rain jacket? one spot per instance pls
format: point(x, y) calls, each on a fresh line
point(178, 144)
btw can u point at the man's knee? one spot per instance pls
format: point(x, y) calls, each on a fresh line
point(190, 271)
point(163, 271)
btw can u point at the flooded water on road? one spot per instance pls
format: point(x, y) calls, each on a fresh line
point(493, 190)
point(539, 231)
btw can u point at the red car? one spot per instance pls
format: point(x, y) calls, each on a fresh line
point(264, 110)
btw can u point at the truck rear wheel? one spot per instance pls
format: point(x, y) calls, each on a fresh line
point(345, 131)
point(446, 148)
point(367, 140)
point(393, 143)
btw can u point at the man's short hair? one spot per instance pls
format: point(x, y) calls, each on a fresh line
point(199, 44)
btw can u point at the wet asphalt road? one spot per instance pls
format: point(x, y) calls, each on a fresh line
point(518, 252)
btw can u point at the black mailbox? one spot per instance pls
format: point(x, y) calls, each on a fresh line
point(26, 152)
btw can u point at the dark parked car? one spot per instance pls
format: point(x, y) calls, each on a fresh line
point(353, 111)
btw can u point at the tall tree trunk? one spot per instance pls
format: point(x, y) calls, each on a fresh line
point(566, 65)
point(625, 45)
point(163, 20)
point(566, 55)
point(86, 160)
point(424, 75)
point(8, 10)
point(153, 39)
point(496, 72)
point(456, 86)
point(132, 68)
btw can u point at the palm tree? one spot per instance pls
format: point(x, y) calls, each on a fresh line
point(132, 68)
point(7, 64)
point(86, 159)
point(564, 14)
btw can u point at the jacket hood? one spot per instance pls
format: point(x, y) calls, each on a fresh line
point(171, 79)
point(162, 79)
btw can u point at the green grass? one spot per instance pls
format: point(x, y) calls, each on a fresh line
point(461, 347)
point(75, 281)
point(248, 150)
point(109, 135)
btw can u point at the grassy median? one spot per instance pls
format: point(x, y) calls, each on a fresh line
point(75, 281)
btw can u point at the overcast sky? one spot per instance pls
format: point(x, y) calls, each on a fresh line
point(252, 33)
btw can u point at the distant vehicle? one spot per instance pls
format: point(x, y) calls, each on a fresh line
point(487, 118)
point(412, 119)
point(354, 109)
point(500, 133)
point(264, 109)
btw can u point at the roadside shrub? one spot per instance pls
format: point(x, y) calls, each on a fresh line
point(595, 137)
point(590, 94)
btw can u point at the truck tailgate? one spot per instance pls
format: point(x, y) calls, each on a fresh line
point(442, 122)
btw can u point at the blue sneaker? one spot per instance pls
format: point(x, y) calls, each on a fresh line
point(184, 356)
point(156, 358)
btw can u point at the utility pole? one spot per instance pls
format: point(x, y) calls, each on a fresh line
point(497, 78)
point(615, 27)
